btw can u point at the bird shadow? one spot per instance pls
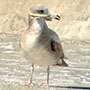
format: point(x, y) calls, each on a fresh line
point(70, 87)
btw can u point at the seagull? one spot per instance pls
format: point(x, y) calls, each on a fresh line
point(41, 45)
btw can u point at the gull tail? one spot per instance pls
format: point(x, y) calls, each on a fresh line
point(64, 64)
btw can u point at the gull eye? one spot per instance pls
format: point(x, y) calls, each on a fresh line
point(41, 11)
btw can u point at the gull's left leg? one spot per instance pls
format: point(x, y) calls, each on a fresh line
point(48, 72)
point(47, 84)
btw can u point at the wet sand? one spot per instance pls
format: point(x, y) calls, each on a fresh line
point(15, 70)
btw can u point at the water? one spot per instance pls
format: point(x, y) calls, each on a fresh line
point(15, 70)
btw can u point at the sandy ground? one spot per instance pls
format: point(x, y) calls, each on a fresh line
point(75, 17)
point(15, 70)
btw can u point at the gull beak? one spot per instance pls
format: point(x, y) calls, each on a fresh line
point(50, 17)
point(56, 17)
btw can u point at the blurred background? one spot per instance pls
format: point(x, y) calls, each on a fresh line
point(75, 17)
point(73, 30)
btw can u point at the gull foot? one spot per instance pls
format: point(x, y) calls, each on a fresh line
point(27, 84)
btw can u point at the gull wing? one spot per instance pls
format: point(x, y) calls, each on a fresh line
point(57, 47)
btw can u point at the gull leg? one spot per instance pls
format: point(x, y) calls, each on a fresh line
point(32, 71)
point(47, 84)
point(48, 69)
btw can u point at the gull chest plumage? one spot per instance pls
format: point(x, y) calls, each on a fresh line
point(37, 40)
point(41, 45)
